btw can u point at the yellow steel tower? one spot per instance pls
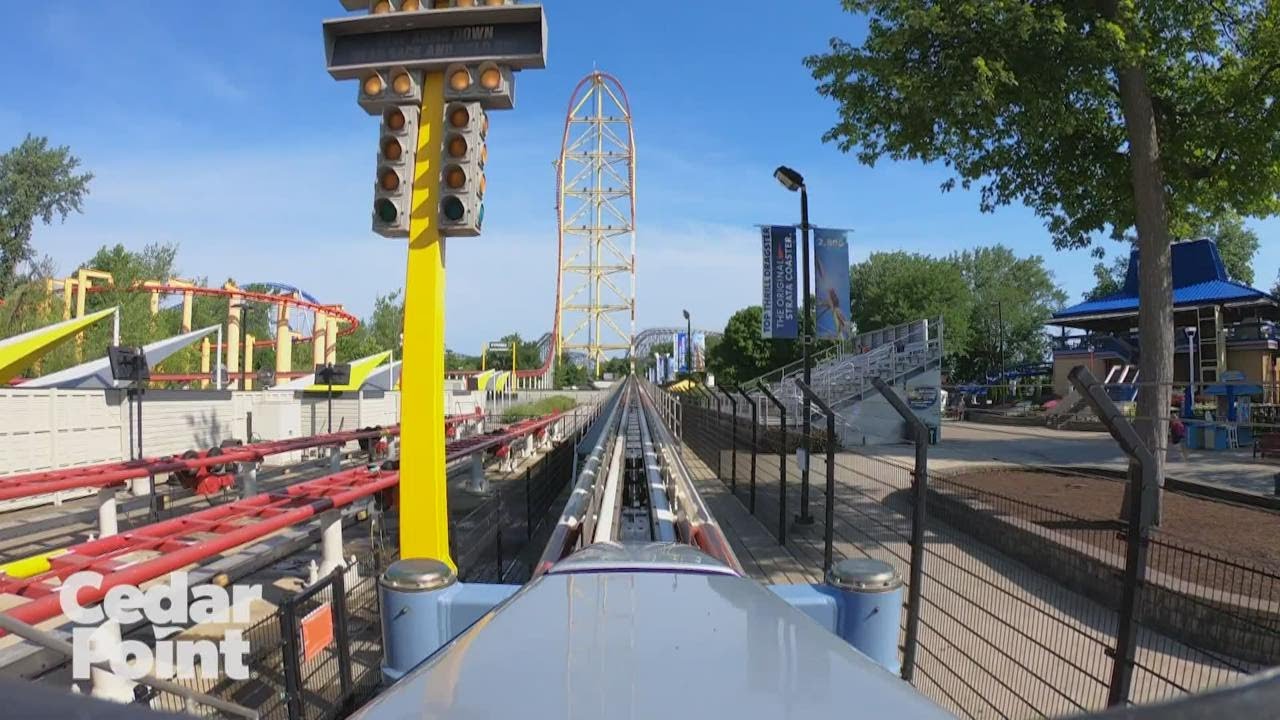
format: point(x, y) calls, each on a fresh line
point(596, 208)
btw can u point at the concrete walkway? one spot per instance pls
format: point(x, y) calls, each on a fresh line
point(968, 443)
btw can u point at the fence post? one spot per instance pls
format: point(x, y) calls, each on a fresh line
point(782, 465)
point(919, 493)
point(339, 588)
point(1142, 491)
point(754, 414)
point(290, 658)
point(829, 513)
point(733, 442)
point(528, 501)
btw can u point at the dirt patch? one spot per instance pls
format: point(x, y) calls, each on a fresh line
point(1231, 532)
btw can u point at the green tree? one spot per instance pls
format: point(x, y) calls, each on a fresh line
point(37, 182)
point(1100, 116)
point(1011, 299)
point(891, 288)
point(570, 374)
point(1108, 280)
point(1236, 243)
point(458, 361)
point(619, 367)
point(743, 353)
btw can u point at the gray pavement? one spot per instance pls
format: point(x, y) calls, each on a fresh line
point(967, 443)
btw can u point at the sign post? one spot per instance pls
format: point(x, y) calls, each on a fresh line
point(426, 45)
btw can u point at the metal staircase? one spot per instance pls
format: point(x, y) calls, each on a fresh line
point(842, 375)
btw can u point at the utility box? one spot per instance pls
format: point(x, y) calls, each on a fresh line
point(277, 415)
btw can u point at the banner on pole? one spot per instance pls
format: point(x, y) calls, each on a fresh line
point(679, 344)
point(831, 265)
point(778, 299)
point(699, 352)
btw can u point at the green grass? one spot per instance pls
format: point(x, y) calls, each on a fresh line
point(545, 406)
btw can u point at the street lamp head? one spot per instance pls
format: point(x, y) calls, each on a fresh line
point(789, 178)
point(686, 314)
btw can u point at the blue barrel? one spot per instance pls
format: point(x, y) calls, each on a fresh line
point(410, 592)
point(869, 593)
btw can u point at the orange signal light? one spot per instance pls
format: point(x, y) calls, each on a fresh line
point(410, 5)
point(459, 117)
point(490, 78)
point(372, 85)
point(402, 83)
point(382, 6)
point(394, 119)
point(391, 149)
point(457, 146)
point(460, 79)
point(454, 177)
point(389, 180)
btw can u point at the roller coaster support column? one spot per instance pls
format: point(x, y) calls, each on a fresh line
point(330, 541)
point(107, 522)
point(247, 474)
point(284, 343)
point(424, 523)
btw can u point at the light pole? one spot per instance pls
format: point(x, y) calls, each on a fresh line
point(688, 342)
point(1000, 332)
point(793, 181)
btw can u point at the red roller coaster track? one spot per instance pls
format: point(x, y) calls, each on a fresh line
point(350, 322)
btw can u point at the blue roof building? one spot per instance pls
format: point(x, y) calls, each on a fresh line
point(1227, 326)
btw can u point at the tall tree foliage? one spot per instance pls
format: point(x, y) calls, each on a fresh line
point(891, 288)
point(1010, 300)
point(1102, 116)
point(37, 183)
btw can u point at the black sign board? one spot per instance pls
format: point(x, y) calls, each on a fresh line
point(128, 364)
point(513, 35)
point(339, 374)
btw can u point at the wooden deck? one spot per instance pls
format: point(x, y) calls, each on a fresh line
point(759, 553)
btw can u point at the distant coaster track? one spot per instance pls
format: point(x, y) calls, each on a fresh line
point(348, 323)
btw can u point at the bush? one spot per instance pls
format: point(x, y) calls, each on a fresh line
point(539, 408)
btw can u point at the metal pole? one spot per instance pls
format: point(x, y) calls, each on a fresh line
point(920, 491)
point(688, 342)
point(754, 414)
point(1000, 324)
point(804, 518)
point(1142, 509)
point(828, 532)
point(782, 465)
point(733, 442)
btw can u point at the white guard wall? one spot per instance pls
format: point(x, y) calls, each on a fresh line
point(47, 429)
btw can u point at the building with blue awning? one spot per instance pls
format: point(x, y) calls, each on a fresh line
point(1226, 326)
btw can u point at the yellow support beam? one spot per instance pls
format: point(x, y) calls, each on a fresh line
point(424, 510)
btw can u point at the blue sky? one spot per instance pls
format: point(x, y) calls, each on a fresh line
point(214, 125)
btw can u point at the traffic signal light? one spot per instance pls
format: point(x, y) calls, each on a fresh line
point(378, 7)
point(462, 181)
point(393, 188)
point(389, 86)
point(488, 83)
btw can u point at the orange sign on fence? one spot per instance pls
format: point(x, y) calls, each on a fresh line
point(317, 631)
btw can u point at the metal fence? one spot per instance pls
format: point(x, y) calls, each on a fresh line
point(496, 540)
point(316, 656)
point(1023, 610)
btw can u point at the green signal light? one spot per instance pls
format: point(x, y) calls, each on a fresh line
point(453, 208)
point(385, 210)
point(480, 216)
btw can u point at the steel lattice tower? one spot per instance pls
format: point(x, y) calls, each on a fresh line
point(596, 210)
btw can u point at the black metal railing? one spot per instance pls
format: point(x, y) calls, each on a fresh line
point(1020, 608)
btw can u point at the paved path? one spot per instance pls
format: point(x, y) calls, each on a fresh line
point(967, 443)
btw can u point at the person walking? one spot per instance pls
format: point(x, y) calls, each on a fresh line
point(1178, 435)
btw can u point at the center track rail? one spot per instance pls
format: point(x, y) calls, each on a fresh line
point(635, 488)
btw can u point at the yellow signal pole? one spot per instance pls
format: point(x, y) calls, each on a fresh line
point(424, 509)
